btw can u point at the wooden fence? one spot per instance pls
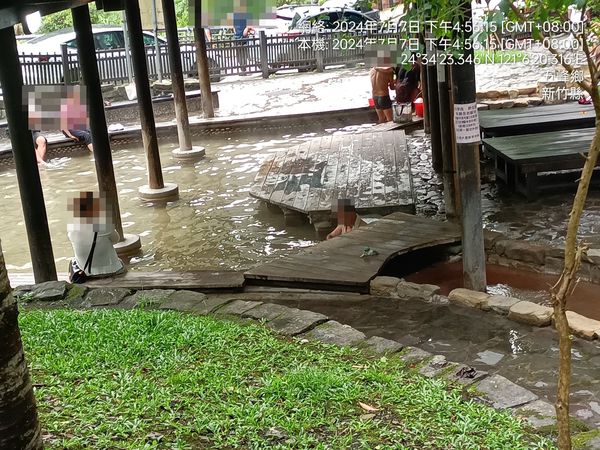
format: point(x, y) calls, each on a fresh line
point(260, 54)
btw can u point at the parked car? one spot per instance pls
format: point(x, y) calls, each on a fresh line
point(109, 40)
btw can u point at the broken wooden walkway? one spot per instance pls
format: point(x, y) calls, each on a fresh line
point(372, 169)
point(336, 264)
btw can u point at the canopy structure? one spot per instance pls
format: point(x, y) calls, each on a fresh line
point(13, 12)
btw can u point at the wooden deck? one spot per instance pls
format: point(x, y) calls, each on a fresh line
point(536, 119)
point(519, 160)
point(372, 169)
point(336, 264)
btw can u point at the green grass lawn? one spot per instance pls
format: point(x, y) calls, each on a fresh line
point(144, 379)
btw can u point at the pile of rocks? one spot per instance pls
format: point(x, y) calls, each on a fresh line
point(518, 97)
point(537, 257)
point(513, 308)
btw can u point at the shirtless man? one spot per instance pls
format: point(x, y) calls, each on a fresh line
point(381, 77)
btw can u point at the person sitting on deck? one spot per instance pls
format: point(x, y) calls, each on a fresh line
point(347, 219)
point(92, 236)
point(81, 136)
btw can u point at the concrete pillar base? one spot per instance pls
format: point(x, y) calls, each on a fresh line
point(166, 194)
point(130, 245)
point(195, 153)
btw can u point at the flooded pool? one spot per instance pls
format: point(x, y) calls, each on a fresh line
point(214, 224)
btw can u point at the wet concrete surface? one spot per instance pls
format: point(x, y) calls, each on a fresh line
point(523, 354)
point(533, 287)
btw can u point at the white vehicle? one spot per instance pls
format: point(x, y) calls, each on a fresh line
point(109, 41)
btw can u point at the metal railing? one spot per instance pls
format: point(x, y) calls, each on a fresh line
point(259, 54)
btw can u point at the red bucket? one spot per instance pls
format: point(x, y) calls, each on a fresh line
point(418, 107)
point(371, 103)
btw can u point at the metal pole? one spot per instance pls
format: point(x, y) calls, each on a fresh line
point(127, 48)
point(466, 128)
point(202, 61)
point(181, 112)
point(65, 64)
point(28, 176)
point(157, 60)
point(91, 79)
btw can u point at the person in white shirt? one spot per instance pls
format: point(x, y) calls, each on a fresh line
point(92, 236)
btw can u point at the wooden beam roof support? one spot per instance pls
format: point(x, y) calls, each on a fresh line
point(156, 189)
point(28, 176)
point(467, 135)
point(202, 62)
point(14, 11)
point(102, 153)
point(185, 149)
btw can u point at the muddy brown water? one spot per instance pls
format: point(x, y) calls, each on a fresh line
point(215, 224)
point(521, 284)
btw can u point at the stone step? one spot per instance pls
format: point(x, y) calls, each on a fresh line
point(505, 103)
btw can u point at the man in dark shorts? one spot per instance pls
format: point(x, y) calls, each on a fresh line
point(381, 78)
point(81, 136)
point(40, 144)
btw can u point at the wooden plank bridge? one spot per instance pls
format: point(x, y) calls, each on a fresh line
point(337, 264)
point(372, 169)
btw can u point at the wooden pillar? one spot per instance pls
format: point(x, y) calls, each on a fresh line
point(466, 127)
point(447, 144)
point(264, 56)
point(86, 55)
point(434, 111)
point(181, 112)
point(28, 176)
point(156, 189)
point(202, 61)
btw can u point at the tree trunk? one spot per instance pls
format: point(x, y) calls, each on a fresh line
point(19, 426)
point(565, 286)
